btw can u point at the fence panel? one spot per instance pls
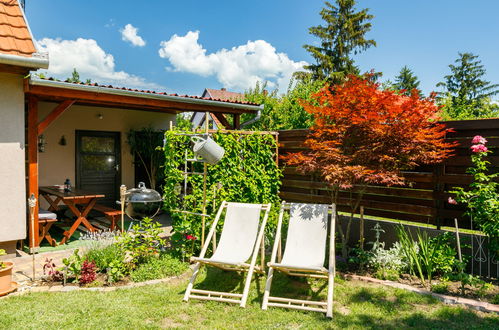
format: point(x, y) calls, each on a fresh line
point(424, 200)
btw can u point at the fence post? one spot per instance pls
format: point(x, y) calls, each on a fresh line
point(438, 191)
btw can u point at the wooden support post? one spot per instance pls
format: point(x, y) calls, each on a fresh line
point(237, 121)
point(361, 240)
point(33, 168)
point(54, 114)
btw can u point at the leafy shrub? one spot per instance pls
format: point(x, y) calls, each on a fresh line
point(73, 265)
point(116, 271)
point(495, 300)
point(441, 287)
point(142, 242)
point(87, 273)
point(444, 255)
point(387, 274)
point(247, 173)
point(2, 252)
point(158, 267)
point(391, 259)
point(51, 271)
point(104, 255)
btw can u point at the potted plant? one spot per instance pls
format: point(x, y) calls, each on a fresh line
point(6, 284)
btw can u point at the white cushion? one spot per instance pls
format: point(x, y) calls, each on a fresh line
point(46, 215)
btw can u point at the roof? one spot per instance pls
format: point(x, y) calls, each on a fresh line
point(223, 94)
point(224, 100)
point(15, 36)
point(52, 90)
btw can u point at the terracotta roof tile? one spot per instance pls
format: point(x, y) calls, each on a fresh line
point(236, 101)
point(15, 38)
point(223, 94)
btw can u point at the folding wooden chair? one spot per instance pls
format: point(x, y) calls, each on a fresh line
point(304, 254)
point(242, 236)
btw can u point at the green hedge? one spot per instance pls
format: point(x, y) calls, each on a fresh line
point(247, 173)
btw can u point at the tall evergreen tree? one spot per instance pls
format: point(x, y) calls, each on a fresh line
point(406, 81)
point(465, 83)
point(342, 36)
point(466, 93)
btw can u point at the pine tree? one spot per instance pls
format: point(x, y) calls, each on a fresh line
point(465, 85)
point(406, 81)
point(341, 37)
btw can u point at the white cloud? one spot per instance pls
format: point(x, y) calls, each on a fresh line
point(129, 33)
point(238, 68)
point(90, 60)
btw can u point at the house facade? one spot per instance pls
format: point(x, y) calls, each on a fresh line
point(53, 130)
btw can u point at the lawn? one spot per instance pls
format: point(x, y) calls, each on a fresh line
point(357, 305)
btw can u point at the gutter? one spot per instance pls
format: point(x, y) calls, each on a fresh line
point(38, 61)
point(253, 120)
point(145, 95)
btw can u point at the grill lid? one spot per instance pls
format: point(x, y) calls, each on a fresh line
point(142, 195)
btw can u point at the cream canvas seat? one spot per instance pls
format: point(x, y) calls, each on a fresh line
point(305, 253)
point(237, 249)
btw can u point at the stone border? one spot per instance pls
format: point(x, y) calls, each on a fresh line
point(450, 300)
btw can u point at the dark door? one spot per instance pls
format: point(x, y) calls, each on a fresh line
point(98, 164)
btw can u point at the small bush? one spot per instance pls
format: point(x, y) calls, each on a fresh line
point(441, 287)
point(387, 274)
point(495, 300)
point(158, 267)
point(103, 256)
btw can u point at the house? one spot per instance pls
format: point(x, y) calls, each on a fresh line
point(53, 130)
point(217, 120)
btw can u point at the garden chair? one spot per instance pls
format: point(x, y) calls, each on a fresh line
point(241, 238)
point(304, 254)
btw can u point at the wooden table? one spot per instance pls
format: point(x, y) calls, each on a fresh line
point(79, 202)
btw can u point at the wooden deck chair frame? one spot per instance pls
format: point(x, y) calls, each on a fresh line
point(250, 268)
point(307, 305)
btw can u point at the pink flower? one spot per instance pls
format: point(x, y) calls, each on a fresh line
point(479, 148)
point(478, 139)
point(452, 201)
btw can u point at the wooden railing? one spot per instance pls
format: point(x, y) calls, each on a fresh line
point(425, 200)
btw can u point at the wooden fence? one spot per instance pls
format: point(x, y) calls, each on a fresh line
point(425, 201)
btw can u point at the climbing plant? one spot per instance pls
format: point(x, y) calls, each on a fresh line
point(247, 173)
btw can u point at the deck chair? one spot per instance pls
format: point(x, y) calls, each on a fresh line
point(304, 254)
point(242, 236)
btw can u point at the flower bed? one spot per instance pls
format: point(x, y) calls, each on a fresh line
point(135, 256)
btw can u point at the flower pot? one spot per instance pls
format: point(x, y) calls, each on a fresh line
point(6, 284)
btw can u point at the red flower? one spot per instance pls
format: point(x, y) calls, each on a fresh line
point(190, 237)
point(452, 201)
point(478, 139)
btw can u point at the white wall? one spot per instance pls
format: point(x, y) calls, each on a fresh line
point(58, 162)
point(12, 159)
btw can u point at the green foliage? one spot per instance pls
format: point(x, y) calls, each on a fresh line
point(466, 94)
point(146, 144)
point(247, 173)
point(140, 243)
point(441, 287)
point(482, 198)
point(283, 111)
point(406, 81)
point(73, 265)
point(104, 255)
point(427, 256)
point(182, 122)
point(158, 267)
point(75, 78)
point(2, 252)
point(117, 270)
point(342, 36)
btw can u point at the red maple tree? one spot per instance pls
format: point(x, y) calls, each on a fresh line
point(363, 136)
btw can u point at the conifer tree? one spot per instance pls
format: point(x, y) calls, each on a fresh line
point(342, 36)
point(406, 81)
point(466, 88)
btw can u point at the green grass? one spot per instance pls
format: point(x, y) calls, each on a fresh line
point(357, 305)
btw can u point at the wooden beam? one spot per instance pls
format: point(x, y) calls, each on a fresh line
point(237, 121)
point(33, 166)
point(54, 114)
point(222, 120)
point(48, 92)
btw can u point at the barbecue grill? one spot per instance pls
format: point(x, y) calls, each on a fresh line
point(142, 202)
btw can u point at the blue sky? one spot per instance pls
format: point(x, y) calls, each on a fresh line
point(262, 40)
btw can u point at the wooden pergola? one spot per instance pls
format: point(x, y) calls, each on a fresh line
point(69, 94)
